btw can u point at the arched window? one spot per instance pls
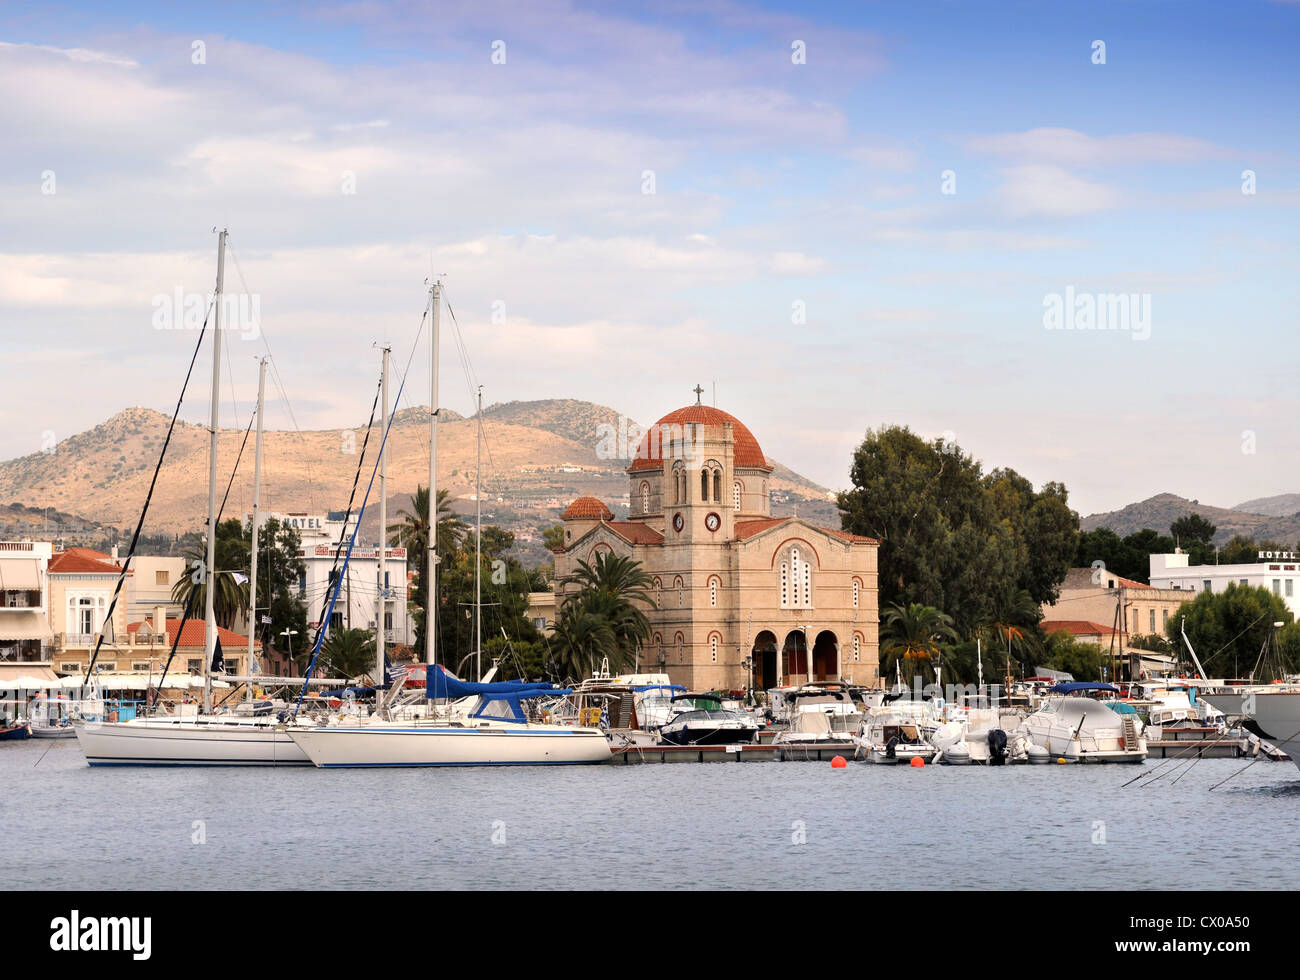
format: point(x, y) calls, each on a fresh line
point(713, 647)
point(681, 592)
point(704, 485)
point(735, 496)
point(645, 498)
point(796, 581)
point(659, 592)
point(713, 592)
point(717, 486)
point(681, 649)
point(857, 646)
point(857, 586)
point(785, 585)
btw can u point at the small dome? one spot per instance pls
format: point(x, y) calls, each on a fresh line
point(587, 508)
point(649, 455)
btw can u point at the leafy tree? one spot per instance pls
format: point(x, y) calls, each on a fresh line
point(1084, 661)
point(1242, 550)
point(949, 536)
point(604, 618)
point(412, 533)
point(582, 639)
point(553, 537)
point(278, 571)
point(1228, 629)
point(1194, 534)
point(1014, 620)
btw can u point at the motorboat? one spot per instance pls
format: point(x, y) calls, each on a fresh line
point(1080, 728)
point(900, 730)
point(819, 717)
point(494, 731)
point(51, 717)
point(704, 721)
point(15, 731)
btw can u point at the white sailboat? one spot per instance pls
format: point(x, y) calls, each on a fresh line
point(227, 738)
point(495, 730)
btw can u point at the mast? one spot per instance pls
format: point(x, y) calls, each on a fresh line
point(383, 536)
point(257, 499)
point(478, 545)
point(430, 614)
point(209, 618)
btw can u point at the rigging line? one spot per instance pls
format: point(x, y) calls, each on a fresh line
point(1235, 638)
point(135, 538)
point(235, 468)
point(338, 581)
point(471, 376)
point(279, 383)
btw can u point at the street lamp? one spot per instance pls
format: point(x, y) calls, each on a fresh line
point(289, 634)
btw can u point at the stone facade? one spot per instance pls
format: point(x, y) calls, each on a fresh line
point(742, 597)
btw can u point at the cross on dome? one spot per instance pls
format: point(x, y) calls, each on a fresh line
point(698, 392)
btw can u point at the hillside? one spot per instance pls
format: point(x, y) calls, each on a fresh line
point(1283, 505)
point(537, 457)
point(1160, 511)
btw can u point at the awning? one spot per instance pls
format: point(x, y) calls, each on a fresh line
point(19, 574)
point(23, 624)
point(36, 672)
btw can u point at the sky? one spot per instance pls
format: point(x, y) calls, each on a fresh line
point(843, 216)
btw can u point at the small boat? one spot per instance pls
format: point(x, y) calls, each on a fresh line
point(707, 722)
point(900, 730)
point(819, 717)
point(1079, 728)
point(15, 732)
point(51, 717)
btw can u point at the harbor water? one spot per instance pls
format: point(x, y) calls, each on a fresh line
point(724, 825)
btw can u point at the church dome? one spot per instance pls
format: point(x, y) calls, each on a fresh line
point(649, 455)
point(587, 508)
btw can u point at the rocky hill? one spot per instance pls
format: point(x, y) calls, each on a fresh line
point(537, 457)
point(1283, 505)
point(1160, 511)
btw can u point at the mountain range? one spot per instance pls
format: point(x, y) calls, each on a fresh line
point(1272, 518)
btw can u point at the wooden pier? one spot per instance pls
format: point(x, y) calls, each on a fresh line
point(633, 755)
point(1208, 748)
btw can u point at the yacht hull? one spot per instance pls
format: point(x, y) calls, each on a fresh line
point(441, 745)
point(161, 743)
point(1275, 713)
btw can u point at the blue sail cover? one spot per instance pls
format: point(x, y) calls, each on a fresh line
point(1073, 686)
point(439, 685)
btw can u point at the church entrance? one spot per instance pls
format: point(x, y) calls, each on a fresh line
point(764, 654)
point(826, 657)
point(795, 654)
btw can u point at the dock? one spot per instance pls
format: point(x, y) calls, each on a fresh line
point(1221, 748)
point(632, 755)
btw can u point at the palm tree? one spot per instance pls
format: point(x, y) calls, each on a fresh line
point(1015, 614)
point(612, 587)
point(350, 653)
point(581, 639)
point(231, 596)
point(913, 633)
point(412, 531)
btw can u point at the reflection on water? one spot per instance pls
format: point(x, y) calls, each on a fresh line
point(723, 825)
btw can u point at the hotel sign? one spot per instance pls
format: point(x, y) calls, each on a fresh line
point(1277, 556)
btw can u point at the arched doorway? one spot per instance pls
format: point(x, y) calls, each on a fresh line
point(826, 657)
point(764, 654)
point(795, 653)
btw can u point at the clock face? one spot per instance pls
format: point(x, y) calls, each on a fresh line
point(677, 522)
point(713, 522)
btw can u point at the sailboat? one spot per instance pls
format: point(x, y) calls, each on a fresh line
point(467, 724)
point(226, 738)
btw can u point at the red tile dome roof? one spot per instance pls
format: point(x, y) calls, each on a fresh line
point(588, 508)
point(649, 455)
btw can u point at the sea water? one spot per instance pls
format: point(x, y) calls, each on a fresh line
point(801, 825)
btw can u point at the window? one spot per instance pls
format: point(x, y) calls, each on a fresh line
point(1135, 621)
point(681, 650)
point(856, 589)
point(713, 591)
point(161, 578)
point(704, 484)
point(1153, 620)
point(785, 584)
point(85, 617)
point(717, 486)
point(1208, 586)
point(659, 592)
point(857, 647)
point(796, 582)
point(72, 668)
point(1164, 619)
point(681, 594)
point(1290, 584)
point(1277, 586)
point(1245, 581)
point(194, 666)
point(735, 496)
point(336, 621)
point(302, 580)
point(388, 619)
point(645, 498)
point(140, 667)
point(713, 647)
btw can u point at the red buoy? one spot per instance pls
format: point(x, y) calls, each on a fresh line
point(838, 762)
point(917, 762)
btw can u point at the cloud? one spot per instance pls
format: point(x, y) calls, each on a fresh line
point(1040, 190)
point(1069, 147)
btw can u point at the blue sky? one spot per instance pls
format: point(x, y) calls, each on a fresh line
point(777, 186)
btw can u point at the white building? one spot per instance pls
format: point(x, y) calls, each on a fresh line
point(25, 632)
point(1276, 571)
point(364, 580)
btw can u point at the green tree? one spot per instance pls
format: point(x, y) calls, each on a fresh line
point(553, 537)
point(1014, 621)
point(1083, 661)
point(279, 571)
point(612, 590)
point(581, 640)
point(1228, 630)
point(348, 653)
point(412, 533)
point(230, 594)
point(1194, 534)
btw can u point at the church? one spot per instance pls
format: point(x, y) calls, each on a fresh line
point(743, 599)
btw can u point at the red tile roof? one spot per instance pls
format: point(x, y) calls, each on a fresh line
point(1078, 627)
point(83, 561)
point(649, 455)
point(587, 508)
point(195, 635)
point(635, 532)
